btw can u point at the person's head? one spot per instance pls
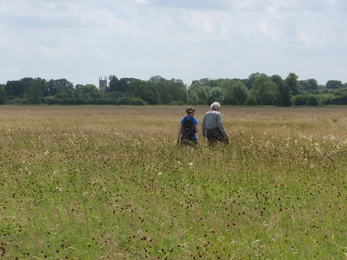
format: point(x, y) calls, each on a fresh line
point(215, 106)
point(190, 110)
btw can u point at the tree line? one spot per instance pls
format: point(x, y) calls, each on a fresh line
point(257, 89)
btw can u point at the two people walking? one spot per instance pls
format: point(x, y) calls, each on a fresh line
point(212, 126)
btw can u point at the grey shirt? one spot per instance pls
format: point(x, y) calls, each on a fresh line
point(212, 119)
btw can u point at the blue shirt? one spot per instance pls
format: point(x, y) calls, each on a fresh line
point(195, 122)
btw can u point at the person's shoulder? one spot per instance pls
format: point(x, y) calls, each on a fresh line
point(217, 112)
point(214, 112)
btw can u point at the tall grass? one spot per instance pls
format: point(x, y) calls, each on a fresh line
point(110, 183)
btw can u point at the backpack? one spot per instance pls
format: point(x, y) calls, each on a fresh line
point(188, 128)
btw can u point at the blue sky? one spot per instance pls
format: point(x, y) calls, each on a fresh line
point(81, 40)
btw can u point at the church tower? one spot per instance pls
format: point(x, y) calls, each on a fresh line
point(102, 84)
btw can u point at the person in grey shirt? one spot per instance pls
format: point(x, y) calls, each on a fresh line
point(212, 125)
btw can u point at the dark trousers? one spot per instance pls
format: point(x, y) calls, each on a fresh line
point(214, 135)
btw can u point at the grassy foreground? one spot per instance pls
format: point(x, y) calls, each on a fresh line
point(110, 183)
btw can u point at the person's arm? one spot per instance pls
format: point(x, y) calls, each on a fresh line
point(196, 125)
point(179, 132)
point(196, 129)
point(203, 127)
point(221, 126)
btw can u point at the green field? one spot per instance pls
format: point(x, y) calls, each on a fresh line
point(110, 183)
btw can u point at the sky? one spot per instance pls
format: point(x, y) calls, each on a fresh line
point(81, 40)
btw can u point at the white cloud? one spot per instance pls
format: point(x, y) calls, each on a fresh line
point(181, 39)
point(4, 43)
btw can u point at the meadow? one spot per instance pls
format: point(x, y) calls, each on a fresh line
point(107, 182)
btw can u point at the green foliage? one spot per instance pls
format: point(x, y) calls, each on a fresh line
point(312, 100)
point(251, 79)
point(283, 96)
point(144, 90)
point(230, 100)
point(15, 88)
point(217, 94)
point(292, 82)
point(239, 92)
point(277, 79)
point(18, 101)
point(328, 99)
point(264, 90)
point(158, 90)
point(112, 83)
point(202, 102)
point(299, 100)
point(58, 86)
point(35, 92)
point(212, 83)
point(333, 84)
point(198, 92)
point(251, 101)
point(309, 84)
point(3, 95)
point(177, 103)
point(342, 100)
point(168, 90)
point(131, 101)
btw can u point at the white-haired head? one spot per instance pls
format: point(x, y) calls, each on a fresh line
point(215, 106)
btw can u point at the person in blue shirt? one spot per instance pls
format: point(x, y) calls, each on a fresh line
point(187, 133)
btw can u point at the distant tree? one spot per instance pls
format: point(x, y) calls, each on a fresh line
point(264, 90)
point(341, 99)
point(2, 94)
point(217, 94)
point(277, 79)
point(208, 82)
point(88, 88)
point(144, 90)
point(204, 92)
point(198, 93)
point(205, 82)
point(292, 82)
point(309, 84)
point(251, 78)
point(312, 100)
point(162, 89)
point(333, 84)
point(112, 83)
point(251, 101)
point(312, 84)
point(15, 88)
point(300, 100)
point(58, 86)
point(226, 85)
point(239, 92)
point(71, 93)
point(26, 82)
point(35, 92)
point(78, 86)
point(178, 90)
point(283, 96)
point(122, 85)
